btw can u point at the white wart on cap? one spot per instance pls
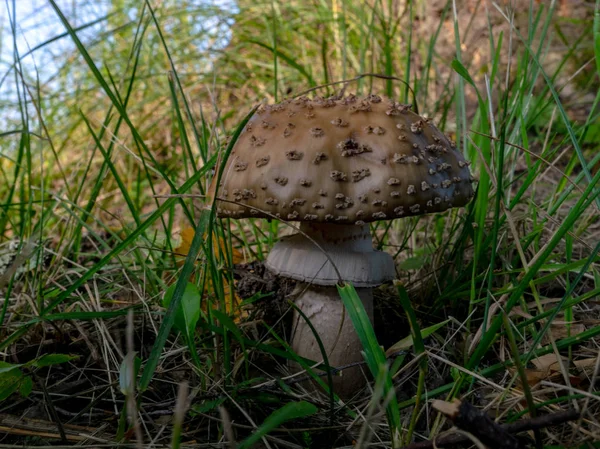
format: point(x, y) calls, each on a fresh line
point(349, 161)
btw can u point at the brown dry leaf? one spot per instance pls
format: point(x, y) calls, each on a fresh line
point(546, 366)
point(560, 331)
point(586, 365)
point(533, 376)
point(559, 328)
point(546, 363)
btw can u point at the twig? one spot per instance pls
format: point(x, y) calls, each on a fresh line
point(181, 407)
point(507, 430)
point(131, 404)
point(52, 410)
point(30, 427)
point(467, 417)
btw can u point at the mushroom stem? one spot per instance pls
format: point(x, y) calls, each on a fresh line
point(326, 312)
point(350, 249)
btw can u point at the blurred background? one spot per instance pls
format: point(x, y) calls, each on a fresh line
point(230, 55)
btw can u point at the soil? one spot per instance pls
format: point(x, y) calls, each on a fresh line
point(255, 279)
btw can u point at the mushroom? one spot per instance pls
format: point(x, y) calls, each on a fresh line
point(335, 165)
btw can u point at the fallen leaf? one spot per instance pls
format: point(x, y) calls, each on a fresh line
point(546, 363)
point(560, 331)
point(219, 245)
point(232, 308)
point(187, 235)
point(547, 367)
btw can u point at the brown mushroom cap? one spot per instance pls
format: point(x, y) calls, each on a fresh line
point(348, 160)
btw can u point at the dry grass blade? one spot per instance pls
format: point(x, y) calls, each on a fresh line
point(116, 116)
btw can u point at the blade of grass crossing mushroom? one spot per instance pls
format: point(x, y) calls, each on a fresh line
point(325, 359)
point(289, 354)
point(373, 353)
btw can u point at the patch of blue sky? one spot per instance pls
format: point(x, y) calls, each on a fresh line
point(32, 34)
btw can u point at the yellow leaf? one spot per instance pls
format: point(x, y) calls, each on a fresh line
point(187, 235)
point(219, 245)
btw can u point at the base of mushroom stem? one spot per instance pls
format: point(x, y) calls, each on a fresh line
point(324, 308)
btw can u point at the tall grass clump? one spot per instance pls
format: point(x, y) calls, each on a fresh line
point(115, 116)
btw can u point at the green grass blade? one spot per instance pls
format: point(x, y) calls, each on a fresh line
point(288, 59)
point(597, 36)
point(373, 353)
point(203, 229)
point(581, 205)
point(113, 96)
point(290, 411)
point(415, 330)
